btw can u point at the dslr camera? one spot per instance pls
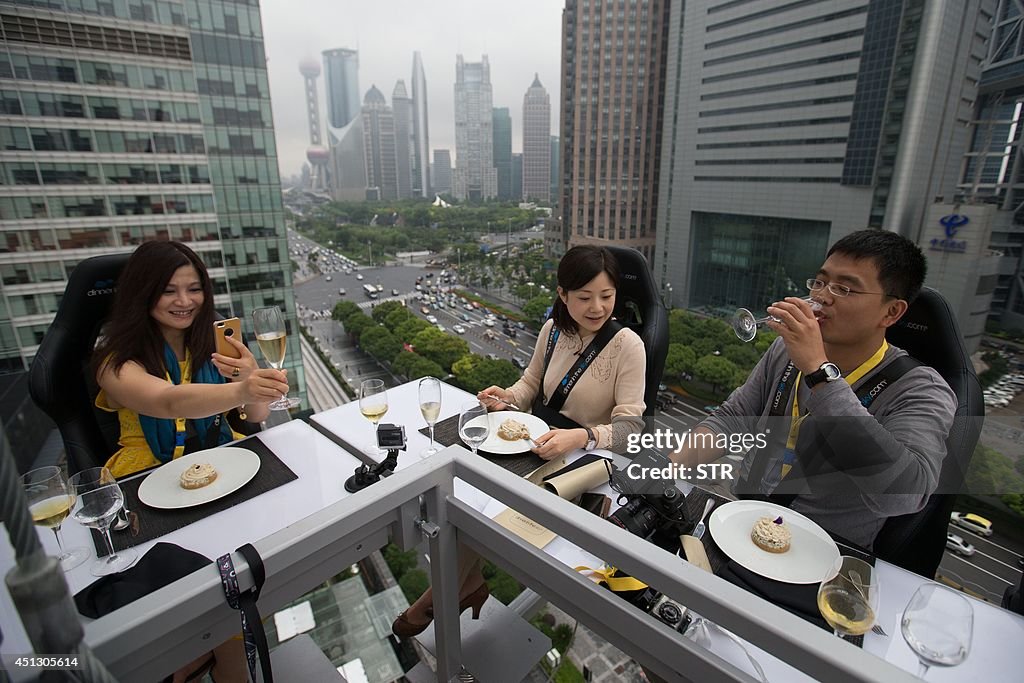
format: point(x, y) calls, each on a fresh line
point(654, 509)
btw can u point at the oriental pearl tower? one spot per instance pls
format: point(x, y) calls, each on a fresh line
point(316, 153)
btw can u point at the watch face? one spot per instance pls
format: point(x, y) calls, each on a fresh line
point(831, 371)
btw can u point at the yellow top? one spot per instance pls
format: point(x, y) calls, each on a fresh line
point(134, 454)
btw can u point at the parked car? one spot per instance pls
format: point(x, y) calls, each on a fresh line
point(459, 328)
point(958, 545)
point(359, 276)
point(394, 292)
point(341, 291)
point(432, 320)
point(972, 522)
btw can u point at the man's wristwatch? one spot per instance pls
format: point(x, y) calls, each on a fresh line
point(828, 372)
point(591, 439)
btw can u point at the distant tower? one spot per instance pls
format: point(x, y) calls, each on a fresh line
point(536, 143)
point(404, 142)
point(379, 146)
point(344, 124)
point(475, 177)
point(316, 153)
point(420, 130)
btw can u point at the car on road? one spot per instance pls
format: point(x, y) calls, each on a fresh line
point(488, 322)
point(459, 329)
point(521, 325)
point(710, 408)
point(380, 287)
point(432, 320)
point(341, 291)
point(394, 292)
point(441, 327)
point(424, 310)
point(493, 356)
point(972, 522)
point(519, 363)
point(468, 307)
point(958, 545)
point(511, 332)
point(328, 278)
point(465, 317)
point(359, 276)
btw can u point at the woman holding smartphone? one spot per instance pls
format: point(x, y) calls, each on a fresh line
point(156, 366)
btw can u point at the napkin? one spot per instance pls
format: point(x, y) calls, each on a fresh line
point(589, 471)
point(165, 563)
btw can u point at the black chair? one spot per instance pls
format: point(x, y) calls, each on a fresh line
point(60, 381)
point(929, 332)
point(638, 306)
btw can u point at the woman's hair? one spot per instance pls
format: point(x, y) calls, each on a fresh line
point(579, 266)
point(131, 333)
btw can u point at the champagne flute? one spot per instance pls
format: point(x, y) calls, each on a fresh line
point(430, 407)
point(937, 625)
point(848, 596)
point(745, 325)
point(49, 503)
point(97, 499)
point(373, 404)
point(473, 424)
point(272, 337)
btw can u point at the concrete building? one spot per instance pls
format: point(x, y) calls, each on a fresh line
point(136, 130)
point(536, 143)
point(613, 74)
point(791, 125)
point(404, 141)
point(379, 147)
point(442, 171)
point(344, 124)
point(501, 121)
point(317, 155)
point(475, 177)
point(420, 130)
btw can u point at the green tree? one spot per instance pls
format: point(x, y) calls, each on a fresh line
point(344, 309)
point(475, 373)
point(380, 343)
point(715, 370)
point(396, 318)
point(408, 330)
point(402, 362)
point(702, 346)
point(443, 349)
point(356, 323)
point(992, 473)
point(382, 310)
point(535, 308)
point(399, 561)
point(743, 355)
point(502, 585)
point(423, 367)
point(680, 360)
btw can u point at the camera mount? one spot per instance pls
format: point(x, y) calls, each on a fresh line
point(390, 437)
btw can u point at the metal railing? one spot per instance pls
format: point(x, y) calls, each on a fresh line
point(155, 634)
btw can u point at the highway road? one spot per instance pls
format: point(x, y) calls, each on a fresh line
point(993, 567)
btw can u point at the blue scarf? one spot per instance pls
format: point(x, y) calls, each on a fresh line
point(160, 433)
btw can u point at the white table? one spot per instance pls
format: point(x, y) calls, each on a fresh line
point(998, 634)
point(321, 468)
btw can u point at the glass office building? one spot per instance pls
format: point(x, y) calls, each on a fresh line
point(131, 120)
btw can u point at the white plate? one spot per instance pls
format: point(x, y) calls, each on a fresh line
point(809, 556)
point(497, 445)
point(235, 468)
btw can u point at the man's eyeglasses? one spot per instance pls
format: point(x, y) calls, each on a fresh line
point(836, 289)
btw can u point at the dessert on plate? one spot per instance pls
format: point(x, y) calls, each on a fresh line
point(771, 535)
point(197, 476)
point(513, 430)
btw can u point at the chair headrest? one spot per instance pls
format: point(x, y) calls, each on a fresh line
point(636, 284)
point(928, 331)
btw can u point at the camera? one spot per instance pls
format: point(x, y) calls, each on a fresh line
point(654, 509)
point(391, 437)
point(664, 609)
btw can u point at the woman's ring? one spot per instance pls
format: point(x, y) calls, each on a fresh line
point(234, 373)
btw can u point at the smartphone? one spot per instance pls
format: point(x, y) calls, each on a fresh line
point(597, 503)
point(232, 327)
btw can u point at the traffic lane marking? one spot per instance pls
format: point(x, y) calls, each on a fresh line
point(980, 569)
point(985, 539)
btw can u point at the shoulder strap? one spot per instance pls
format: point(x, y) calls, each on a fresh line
point(601, 339)
point(252, 626)
point(884, 377)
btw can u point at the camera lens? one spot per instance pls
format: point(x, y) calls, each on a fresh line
point(669, 613)
point(229, 332)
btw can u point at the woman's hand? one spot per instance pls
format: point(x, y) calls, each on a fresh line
point(556, 442)
point(263, 385)
point(236, 369)
point(495, 398)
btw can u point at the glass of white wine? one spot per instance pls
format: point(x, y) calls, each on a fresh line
point(97, 500)
point(938, 625)
point(474, 425)
point(272, 337)
point(848, 596)
point(49, 503)
point(373, 404)
point(430, 406)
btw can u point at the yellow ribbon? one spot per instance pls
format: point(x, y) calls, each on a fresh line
point(617, 584)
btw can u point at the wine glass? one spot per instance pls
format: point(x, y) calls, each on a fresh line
point(373, 404)
point(473, 424)
point(272, 337)
point(937, 625)
point(848, 596)
point(49, 502)
point(430, 407)
point(97, 499)
point(745, 325)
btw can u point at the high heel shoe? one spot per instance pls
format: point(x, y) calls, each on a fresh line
point(404, 628)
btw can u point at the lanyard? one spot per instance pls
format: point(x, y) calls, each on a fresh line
point(253, 633)
point(179, 422)
point(575, 372)
point(851, 379)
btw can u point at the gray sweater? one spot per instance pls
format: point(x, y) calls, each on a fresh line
point(856, 465)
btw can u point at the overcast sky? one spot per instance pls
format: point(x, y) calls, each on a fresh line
point(519, 37)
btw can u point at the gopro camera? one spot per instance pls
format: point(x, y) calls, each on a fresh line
point(391, 437)
point(664, 609)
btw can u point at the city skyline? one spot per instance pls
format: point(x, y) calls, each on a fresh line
point(439, 31)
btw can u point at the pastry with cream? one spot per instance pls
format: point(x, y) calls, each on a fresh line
point(771, 535)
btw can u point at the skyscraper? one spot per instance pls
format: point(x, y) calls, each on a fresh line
point(316, 153)
point(125, 134)
point(475, 177)
point(404, 143)
point(553, 177)
point(536, 143)
point(501, 122)
point(379, 146)
point(789, 133)
point(344, 124)
point(517, 176)
point(420, 130)
point(613, 62)
point(442, 175)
